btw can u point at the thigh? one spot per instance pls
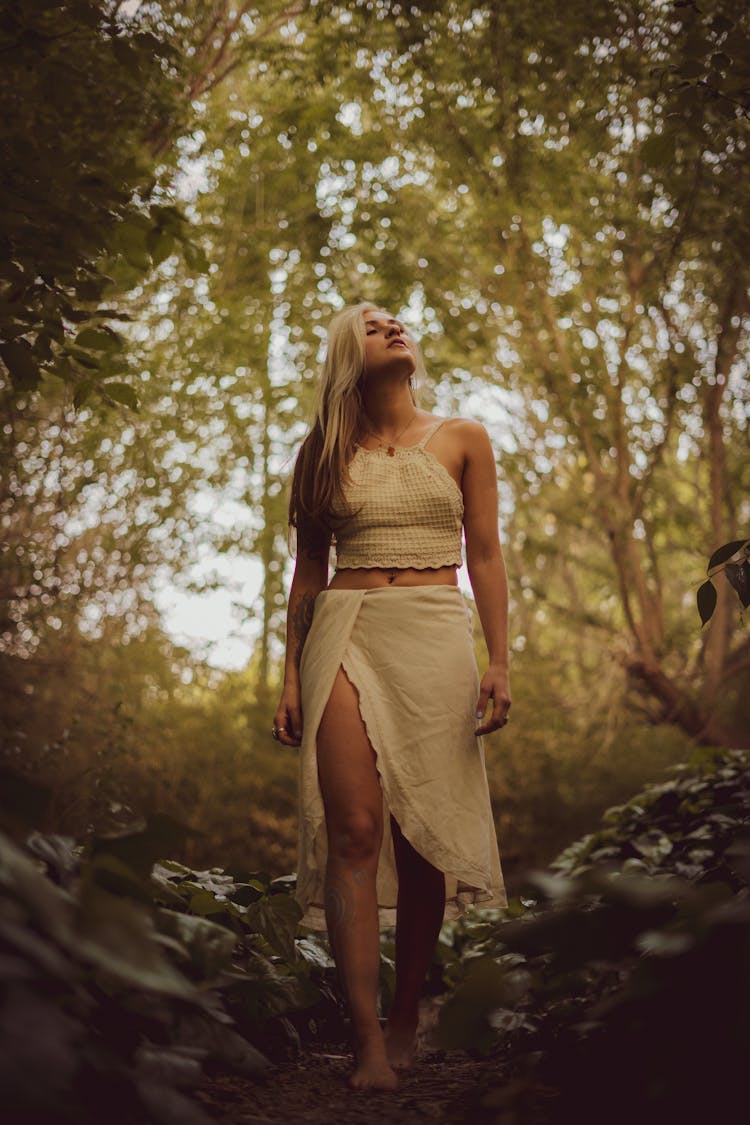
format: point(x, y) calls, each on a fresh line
point(349, 781)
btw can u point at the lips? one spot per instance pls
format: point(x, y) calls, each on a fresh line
point(397, 343)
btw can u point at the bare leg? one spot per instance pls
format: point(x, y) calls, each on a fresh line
point(353, 801)
point(420, 909)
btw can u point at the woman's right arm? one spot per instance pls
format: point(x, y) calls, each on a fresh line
point(310, 577)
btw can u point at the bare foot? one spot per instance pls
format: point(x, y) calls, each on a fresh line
point(373, 1071)
point(400, 1042)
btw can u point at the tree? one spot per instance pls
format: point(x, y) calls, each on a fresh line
point(607, 282)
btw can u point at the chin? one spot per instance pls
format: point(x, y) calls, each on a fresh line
point(402, 361)
point(391, 368)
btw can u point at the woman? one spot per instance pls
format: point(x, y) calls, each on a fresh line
point(381, 687)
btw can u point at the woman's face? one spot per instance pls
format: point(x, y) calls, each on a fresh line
point(388, 346)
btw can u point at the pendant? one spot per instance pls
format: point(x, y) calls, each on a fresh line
point(391, 451)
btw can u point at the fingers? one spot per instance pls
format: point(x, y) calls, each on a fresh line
point(497, 719)
point(295, 720)
point(288, 725)
point(500, 711)
point(484, 697)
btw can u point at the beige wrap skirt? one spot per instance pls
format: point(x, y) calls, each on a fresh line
point(408, 650)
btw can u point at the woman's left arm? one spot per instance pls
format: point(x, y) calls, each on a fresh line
point(486, 568)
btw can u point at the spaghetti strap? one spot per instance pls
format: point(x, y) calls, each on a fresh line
point(421, 444)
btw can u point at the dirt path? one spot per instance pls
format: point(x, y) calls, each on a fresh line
point(313, 1088)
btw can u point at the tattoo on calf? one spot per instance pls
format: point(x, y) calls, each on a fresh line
point(339, 905)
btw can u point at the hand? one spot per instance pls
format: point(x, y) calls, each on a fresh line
point(494, 685)
point(288, 717)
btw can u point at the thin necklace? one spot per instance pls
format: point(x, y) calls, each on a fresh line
point(391, 446)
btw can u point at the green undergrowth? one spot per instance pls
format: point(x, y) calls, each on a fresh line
point(617, 985)
point(127, 978)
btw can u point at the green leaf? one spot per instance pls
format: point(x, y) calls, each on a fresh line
point(24, 799)
point(691, 68)
point(706, 599)
point(738, 575)
point(726, 552)
point(82, 357)
point(738, 46)
point(315, 954)
point(174, 866)
point(160, 247)
point(658, 148)
point(83, 393)
point(18, 357)
point(13, 328)
point(209, 945)
point(89, 289)
point(118, 877)
point(275, 917)
point(653, 845)
point(720, 61)
point(664, 943)
point(121, 392)
point(140, 847)
point(130, 239)
point(195, 256)
point(168, 217)
point(268, 993)
point(48, 906)
point(222, 1043)
point(202, 902)
point(119, 937)
point(245, 893)
point(98, 339)
point(464, 1018)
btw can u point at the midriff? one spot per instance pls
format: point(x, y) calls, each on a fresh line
point(365, 578)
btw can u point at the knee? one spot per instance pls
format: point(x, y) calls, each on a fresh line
point(356, 835)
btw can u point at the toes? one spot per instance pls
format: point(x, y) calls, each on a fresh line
point(380, 1079)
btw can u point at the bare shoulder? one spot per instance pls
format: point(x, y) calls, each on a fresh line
point(467, 425)
point(467, 433)
point(456, 422)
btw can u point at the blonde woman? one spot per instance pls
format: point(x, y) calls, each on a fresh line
point(382, 690)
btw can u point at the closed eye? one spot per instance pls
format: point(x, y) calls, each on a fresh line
point(395, 323)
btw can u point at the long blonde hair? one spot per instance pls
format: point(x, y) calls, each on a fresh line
point(317, 503)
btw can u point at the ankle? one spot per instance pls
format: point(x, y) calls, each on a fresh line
point(367, 1033)
point(406, 1017)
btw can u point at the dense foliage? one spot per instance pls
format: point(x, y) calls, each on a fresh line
point(79, 186)
point(555, 199)
point(124, 980)
point(620, 989)
point(621, 992)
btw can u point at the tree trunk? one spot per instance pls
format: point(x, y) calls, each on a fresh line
point(722, 530)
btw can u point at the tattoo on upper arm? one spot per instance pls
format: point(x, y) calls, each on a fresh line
point(301, 622)
point(315, 552)
point(313, 542)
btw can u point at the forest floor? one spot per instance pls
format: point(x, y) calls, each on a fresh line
point(313, 1088)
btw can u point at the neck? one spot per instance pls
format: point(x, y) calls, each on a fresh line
point(388, 408)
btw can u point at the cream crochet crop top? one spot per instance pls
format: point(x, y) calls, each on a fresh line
point(409, 510)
